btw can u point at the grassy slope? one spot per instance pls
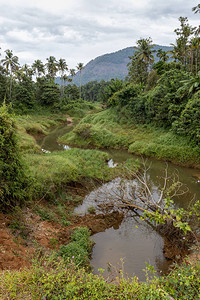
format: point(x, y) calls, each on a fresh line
point(35, 124)
point(110, 129)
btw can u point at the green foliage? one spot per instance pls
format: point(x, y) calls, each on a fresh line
point(164, 104)
point(48, 93)
point(71, 92)
point(56, 280)
point(183, 282)
point(18, 224)
point(186, 155)
point(24, 95)
point(45, 214)
point(76, 108)
point(141, 61)
point(79, 249)
point(125, 96)
point(14, 182)
point(3, 85)
point(189, 124)
point(91, 209)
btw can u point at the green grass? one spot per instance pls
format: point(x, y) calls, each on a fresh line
point(35, 124)
point(52, 171)
point(114, 129)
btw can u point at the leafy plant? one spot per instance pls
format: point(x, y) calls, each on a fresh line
point(14, 181)
point(79, 249)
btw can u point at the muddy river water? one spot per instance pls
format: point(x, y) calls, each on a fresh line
point(132, 242)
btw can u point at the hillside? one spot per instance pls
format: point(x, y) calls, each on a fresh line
point(108, 66)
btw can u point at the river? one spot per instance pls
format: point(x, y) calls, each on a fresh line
point(133, 242)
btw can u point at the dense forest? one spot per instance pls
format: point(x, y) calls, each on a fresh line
point(154, 111)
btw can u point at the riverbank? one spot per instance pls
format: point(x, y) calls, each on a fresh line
point(110, 129)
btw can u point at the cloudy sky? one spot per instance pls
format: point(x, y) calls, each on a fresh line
point(80, 30)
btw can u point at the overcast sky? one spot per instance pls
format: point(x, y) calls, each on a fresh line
point(80, 30)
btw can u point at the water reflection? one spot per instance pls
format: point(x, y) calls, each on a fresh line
point(136, 242)
point(49, 142)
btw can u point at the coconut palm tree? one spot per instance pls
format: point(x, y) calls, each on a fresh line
point(11, 64)
point(144, 52)
point(38, 68)
point(72, 73)
point(194, 52)
point(196, 9)
point(80, 67)
point(52, 67)
point(62, 67)
point(162, 55)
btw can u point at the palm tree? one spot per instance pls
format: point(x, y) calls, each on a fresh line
point(11, 63)
point(196, 9)
point(80, 67)
point(38, 68)
point(72, 73)
point(159, 53)
point(175, 52)
point(162, 55)
point(66, 79)
point(52, 67)
point(194, 51)
point(144, 52)
point(62, 67)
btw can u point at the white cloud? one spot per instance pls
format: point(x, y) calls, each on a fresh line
point(80, 30)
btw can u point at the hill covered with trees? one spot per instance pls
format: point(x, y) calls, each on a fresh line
point(110, 65)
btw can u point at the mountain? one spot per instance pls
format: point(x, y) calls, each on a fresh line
point(108, 66)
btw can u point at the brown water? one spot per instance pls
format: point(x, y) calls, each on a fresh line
point(49, 142)
point(135, 241)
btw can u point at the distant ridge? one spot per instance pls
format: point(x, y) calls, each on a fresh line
point(108, 66)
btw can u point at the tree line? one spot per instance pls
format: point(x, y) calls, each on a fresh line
point(22, 85)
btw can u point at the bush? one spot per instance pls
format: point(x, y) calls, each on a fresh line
point(14, 182)
point(124, 96)
point(79, 249)
point(189, 123)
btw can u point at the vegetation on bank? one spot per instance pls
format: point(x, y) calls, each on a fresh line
point(116, 129)
point(52, 171)
point(52, 278)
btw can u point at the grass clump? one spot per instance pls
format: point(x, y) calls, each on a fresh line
point(57, 211)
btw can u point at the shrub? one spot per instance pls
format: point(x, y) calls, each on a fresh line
point(189, 121)
point(14, 182)
point(79, 249)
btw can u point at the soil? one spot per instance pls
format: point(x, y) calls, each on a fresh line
point(16, 252)
point(172, 252)
point(13, 255)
